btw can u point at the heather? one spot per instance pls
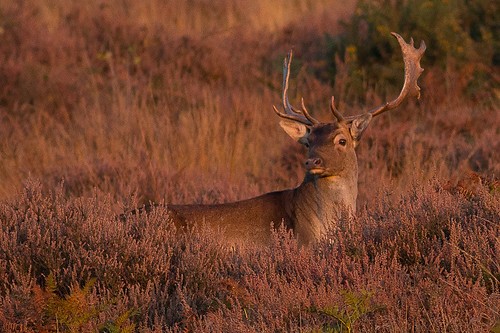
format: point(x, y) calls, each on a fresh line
point(426, 262)
point(106, 106)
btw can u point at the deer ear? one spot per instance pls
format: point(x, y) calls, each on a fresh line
point(359, 125)
point(295, 130)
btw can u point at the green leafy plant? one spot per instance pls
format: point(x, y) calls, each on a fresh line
point(121, 324)
point(65, 314)
point(355, 306)
point(74, 312)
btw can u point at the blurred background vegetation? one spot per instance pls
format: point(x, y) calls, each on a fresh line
point(463, 37)
point(139, 97)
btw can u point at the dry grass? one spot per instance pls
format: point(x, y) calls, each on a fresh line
point(126, 102)
point(92, 92)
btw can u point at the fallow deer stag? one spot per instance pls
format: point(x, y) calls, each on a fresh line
point(331, 181)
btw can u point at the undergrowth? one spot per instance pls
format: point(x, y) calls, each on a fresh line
point(106, 106)
point(429, 259)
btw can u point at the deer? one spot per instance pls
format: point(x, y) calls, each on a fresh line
point(330, 185)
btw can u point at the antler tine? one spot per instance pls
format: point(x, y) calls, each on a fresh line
point(411, 57)
point(286, 76)
point(301, 116)
point(306, 113)
point(335, 111)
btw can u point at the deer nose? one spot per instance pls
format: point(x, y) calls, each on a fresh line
point(313, 163)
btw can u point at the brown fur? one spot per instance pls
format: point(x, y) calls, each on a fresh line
point(308, 210)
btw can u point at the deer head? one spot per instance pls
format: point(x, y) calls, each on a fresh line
point(331, 146)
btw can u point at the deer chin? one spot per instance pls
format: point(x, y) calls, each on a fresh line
point(319, 172)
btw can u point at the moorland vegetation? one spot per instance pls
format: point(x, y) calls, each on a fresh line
point(108, 105)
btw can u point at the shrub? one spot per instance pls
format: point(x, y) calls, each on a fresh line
point(462, 37)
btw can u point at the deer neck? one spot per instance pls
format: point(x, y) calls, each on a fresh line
point(320, 202)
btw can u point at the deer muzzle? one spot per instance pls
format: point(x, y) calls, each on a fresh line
point(314, 165)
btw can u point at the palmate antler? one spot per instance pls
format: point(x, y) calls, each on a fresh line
point(411, 57)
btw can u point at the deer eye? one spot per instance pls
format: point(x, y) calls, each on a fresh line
point(342, 142)
point(306, 144)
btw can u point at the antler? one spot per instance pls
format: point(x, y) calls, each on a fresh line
point(411, 57)
point(302, 115)
point(336, 112)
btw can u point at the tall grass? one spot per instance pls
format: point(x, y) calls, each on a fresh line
point(105, 106)
point(92, 90)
